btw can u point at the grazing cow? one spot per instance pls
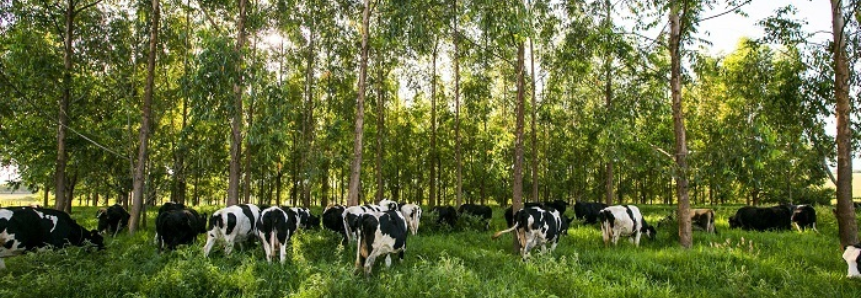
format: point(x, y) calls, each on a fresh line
point(379, 234)
point(852, 256)
point(624, 220)
point(233, 224)
point(413, 214)
point(704, 219)
point(537, 226)
point(482, 212)
point(351, 213)
point(306, 219)
point(25, 229)
point(275, 228)
point(762, 219)
point(558, 205)
point(386, 205)
point(176, 226)
point(588, 212)
point(445, 215)
point(112, 219)
point(333, 219)
point(804, 216)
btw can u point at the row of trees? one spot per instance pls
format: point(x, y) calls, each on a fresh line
point(221, 101)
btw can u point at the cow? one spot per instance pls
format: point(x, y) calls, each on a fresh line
point(536, 226)
point(413, 215)
point(852, 256)
point(704, 219)
point(112, 219)
point(175, 226)
point(275, 228)
point(379, 234)
point(804, 216)
point(445, 215)
point(386, 204)
point(588, 212)
point(333, 219)
point(558, 205)
point(624, 220)
point(351, 213)
point(233, 224)
point(306, 219)
point(762, 218)
point(24, 229)
point(480, 211)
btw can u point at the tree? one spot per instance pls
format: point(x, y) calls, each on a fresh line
point(847, 226)
point(146, 112)
point(356, 166)
point(517, 192)
point(679, 125)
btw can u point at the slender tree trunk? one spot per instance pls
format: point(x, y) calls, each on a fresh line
point(848, 228)
point(356, 167)
point(534, 116)
point(47, 190)
point(433, 153)
point(140, 168)
point(679, 127)
point(457, 153)
point(278, 179)
point(309, 126)
point(608, 98)
point(517, 193)
point(63, 115)
point(236, 117)
point(380, 129)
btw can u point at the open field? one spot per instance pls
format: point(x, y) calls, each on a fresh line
point(856, 184)
point(454, 264)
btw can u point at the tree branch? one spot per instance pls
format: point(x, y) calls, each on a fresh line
point(208, 18)
point(737, 7)
point(658, 149)
point(94, 3)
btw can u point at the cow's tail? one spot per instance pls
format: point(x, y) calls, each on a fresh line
point(512, 228)
point(273, 242)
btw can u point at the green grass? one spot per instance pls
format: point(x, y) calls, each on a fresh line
point(454, 264)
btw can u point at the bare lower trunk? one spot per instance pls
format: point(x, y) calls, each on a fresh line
point(679, 127)
point(63, 116)
point(517, 192)
point(140, 167)
point(380, 131)
point(356, 167)
point(847, 226)
point(433, 154)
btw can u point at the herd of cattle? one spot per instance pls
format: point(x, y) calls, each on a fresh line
point(378, 230)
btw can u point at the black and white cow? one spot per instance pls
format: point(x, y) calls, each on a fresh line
point(275, 228)
point(852, 256)
point(353, 212)
point(233, 224)
point(379, 234)
point(112, 219)
point(445, 215)
point(333, 219)
point(558, 205)
point(536, 226)
point(177, 225)
point(762, 218)
point(25, 229)
point(413, 215)
point(804, 216)
point(480, 211)
point(386, 205)
point(306, 219)
point(624, 221)
point(588, 212)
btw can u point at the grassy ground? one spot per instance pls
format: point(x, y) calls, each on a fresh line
point(462, 263)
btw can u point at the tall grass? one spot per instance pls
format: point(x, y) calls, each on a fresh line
point(460, 262)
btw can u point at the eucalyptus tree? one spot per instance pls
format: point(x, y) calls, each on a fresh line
point(356, 167)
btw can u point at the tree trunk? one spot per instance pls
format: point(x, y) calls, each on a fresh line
point(679, 128)
point(433, 157)
point(47, 190)
point(309, 126)
point(608, 100)
point(356, 167)
point(380, 129)
point(534, 116)
point(278, 180)
point(140, 168)
point(63, 116)
point(848, 228)
point(517, 190)
point(457, 157)
point(236, 117)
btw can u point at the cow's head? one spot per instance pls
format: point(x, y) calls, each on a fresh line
point(649, 231)
point(734, 222)
point(566, 222)
point(313, 221)
point(95, 238)
point(104, 219)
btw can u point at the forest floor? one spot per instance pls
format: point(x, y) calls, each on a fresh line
point(463, 262)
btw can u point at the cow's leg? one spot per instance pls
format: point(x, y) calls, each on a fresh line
point(605, 233)
point(369, 263)
point(359, 260)
point(388, 260)
point(814, 228)
point(228, 244)
point(210, 242)
point(2, 264)
point(265, 244)
point(401, 255)
point(283, 252)
point(799, 228)
point(637, 239)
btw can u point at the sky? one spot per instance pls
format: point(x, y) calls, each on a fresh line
point(724, 33)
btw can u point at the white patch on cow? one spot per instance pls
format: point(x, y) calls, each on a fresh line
point(52, 218)
point(5, 214)
point(412, 215)
point(850, 255)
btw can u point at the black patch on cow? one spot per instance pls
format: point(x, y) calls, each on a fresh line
point(393, 225)
point(607, 216)
point(216, 221)
point(631, 215)
point(445, 215)
point(178, 226)
point(231, 223)
point(246, 210)
point(588, 212)
point(762, 218)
